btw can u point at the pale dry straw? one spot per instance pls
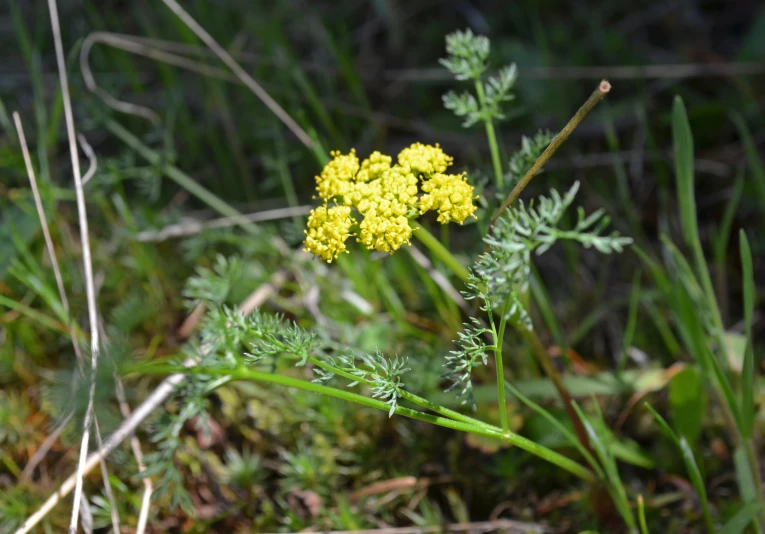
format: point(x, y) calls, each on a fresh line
point(86, 257)
point(146, 408)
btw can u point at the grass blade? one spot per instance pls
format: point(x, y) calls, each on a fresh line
point(683, 150)
point(688, 402)
point(720, 241)
point(746, 487)
point(747, 374)
point(743, 517)
point(180, 177)
point(629, 329)
point(694, 473)
point(559, 426)
point(615, 485)
point(641, 515)
point(752, 157)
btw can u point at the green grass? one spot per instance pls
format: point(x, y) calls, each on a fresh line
point(682, 177)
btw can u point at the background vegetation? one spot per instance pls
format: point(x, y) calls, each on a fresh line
point(256, 457)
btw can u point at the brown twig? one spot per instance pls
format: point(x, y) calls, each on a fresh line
point(46, 446)
point(86, 259)
point(384, 487)
point(529, 335)
point(193, 227)
point(232, 64)
point(549, 368)
point(597, 95)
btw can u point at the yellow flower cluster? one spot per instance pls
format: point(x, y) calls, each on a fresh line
point(386, 225)
point(425, 159)
point(386, 196)
point(451, 195)
point(328, 229)
point(336, 179)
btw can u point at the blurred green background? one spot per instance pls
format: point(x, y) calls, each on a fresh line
point(365, 75)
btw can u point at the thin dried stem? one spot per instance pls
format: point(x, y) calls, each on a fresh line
point(438, 277)
point(135, 445)
point(148, 487)
point(38, 204)
point(552, 373)
point(42, 451)
point(597, 95)
point(193, 227)
point(93, 166)
point(45, 447)
point(159, 50)
point(529, 335)
point(84, 236)
point(130, 44)
point(46, 235)
point(107, 486)
point(50, 440)
point(231, 63)
point(143, 410)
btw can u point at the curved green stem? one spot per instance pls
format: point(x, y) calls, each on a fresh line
point(411, 397)
point(446, 412)
point(491, 136)
point(241, 373)
point(498, 363)
point(530, 336)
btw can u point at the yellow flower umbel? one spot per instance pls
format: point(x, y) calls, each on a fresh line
point(425, 159)
point(336, 179)
point(386, 196)
point(328, 229)
point(451, 195)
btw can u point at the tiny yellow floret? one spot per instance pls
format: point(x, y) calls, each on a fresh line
point(399, 185)
point(336, 180)
point(387, 232)
point(373, 167)
point(451, 195)
point(424, 159)
point(328, 229)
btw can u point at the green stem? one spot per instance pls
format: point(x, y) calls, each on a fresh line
point(531, 338)
point(411, 397)
point(491, 137)
point(240, 373)
point(498, 363)
point(751, 457)
point(441, 252)
point(446, 412)
point(603, 88)
point(641, 515)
